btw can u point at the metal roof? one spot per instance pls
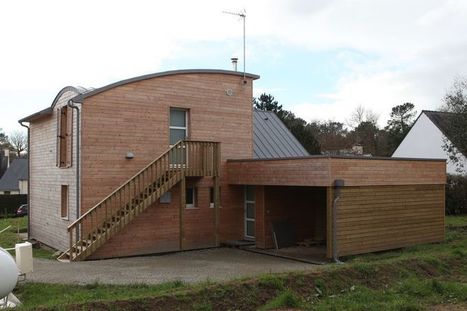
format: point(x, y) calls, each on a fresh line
point(82, 93)
point(18, 170)
point(272, 139)
point(80, 97)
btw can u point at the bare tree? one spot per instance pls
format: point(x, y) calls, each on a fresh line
point(360, 115)
point(19, 141)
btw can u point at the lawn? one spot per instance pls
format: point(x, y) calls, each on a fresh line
point(414, 278)
point(10, 237)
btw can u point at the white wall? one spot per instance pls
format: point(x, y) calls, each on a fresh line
point(425, 140)
point(23, 186)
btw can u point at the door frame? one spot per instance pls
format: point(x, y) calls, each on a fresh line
point(246, 219)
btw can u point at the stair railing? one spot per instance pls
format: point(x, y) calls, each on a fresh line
point(185, 158)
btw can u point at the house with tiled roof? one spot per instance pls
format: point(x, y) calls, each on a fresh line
point(426, 139)
point(15, 179)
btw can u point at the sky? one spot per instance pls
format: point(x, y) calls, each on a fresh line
point(320, 59)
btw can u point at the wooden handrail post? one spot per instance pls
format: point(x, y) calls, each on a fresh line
point(182, 208)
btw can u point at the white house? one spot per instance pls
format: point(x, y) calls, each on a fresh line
point(426, 139)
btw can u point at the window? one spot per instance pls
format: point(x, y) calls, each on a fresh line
point(64, 202)
point(64, 136)
point(166, 198)
point(190, 198)
point(211, 197)
point(178, 125)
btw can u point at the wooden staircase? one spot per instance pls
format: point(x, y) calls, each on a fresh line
point(118, 209)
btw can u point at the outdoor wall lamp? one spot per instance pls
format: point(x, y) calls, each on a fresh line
point(129, 155)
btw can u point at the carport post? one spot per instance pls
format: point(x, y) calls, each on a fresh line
point(182, 207)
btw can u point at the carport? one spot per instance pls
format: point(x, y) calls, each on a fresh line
point(341, 205)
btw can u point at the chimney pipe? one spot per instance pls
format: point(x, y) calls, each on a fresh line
point(234, 63)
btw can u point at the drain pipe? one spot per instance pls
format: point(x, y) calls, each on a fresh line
point(29, 178)
point(338, 184)
point(72, 105)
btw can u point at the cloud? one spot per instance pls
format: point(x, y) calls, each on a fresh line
point(392, 50)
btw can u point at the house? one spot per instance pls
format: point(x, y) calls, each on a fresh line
point(180, 160)
point(15, 179)
point(426, 139)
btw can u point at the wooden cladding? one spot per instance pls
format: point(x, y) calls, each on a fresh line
point(386, 217)
point(322, 171)
point(64, 136)
point(119, 208)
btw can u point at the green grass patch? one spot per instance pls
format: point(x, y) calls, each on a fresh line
point(34, 295)
point(286, 299)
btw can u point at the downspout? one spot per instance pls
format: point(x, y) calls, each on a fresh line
point(72, 105)
point(29, 177)
point(338, 184)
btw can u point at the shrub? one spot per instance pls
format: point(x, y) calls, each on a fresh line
point(456, 195)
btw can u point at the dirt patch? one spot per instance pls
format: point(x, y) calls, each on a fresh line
point(449, 307)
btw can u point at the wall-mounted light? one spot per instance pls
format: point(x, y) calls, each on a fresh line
point(129, 155)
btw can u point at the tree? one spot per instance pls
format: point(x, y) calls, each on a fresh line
point(267, 102)
point(19, 141)
point(401, 119)
point(331, 135)
point(361, 114)
point(3, 140)
point(455, 102)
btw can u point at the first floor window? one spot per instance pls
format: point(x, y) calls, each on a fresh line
point(190, 197)
point(64, 202)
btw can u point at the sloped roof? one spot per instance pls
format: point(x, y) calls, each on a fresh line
point(18, 170)
point(272, 139)
point(442, 120)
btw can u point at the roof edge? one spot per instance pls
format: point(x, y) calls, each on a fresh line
point(79, 98)
point(338, 157)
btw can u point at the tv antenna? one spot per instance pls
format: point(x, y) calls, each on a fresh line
point(242, 15)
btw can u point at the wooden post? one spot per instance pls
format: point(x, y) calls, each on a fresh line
point(216, 208)
point(182, 207)
point(329, 235)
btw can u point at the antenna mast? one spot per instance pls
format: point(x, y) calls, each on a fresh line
point(243, 16)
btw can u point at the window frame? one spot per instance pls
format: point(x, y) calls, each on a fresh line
point(64, 202)
point(174, 127)
point(194, 195)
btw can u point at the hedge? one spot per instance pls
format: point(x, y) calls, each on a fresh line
point(10, 203)
point(456, 195)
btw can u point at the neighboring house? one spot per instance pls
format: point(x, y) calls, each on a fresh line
point(180, 160)
point(426, 139)
point(15, 179)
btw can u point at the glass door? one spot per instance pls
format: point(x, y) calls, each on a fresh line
point(250, 212)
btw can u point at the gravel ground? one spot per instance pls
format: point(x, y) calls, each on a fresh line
point(220, 264)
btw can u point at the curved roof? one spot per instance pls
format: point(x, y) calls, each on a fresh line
point(82, 96)
point(83, 93)
point(48, 111)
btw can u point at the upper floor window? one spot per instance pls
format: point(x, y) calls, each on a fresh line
point(64, 136)
point(178, 125)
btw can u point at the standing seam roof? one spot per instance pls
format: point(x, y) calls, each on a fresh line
point(272, 139)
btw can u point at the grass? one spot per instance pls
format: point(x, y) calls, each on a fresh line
point(9, 238)
point(413, 278)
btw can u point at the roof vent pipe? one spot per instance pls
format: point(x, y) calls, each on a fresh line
point(234, 63)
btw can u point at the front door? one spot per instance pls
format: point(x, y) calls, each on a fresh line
point(249, 212)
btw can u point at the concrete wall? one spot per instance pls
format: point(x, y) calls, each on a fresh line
point(425, 140)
